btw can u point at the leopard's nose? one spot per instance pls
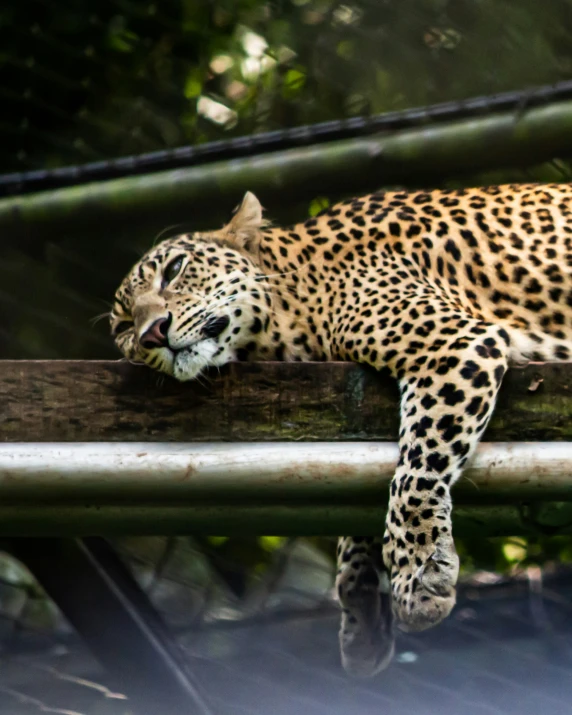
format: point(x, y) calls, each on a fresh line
point(156, 334)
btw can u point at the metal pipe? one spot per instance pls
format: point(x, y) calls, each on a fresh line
point(320, 488)
point(269, 474)
point(338, 167)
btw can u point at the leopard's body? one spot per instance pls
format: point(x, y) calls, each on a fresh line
point(443, 289)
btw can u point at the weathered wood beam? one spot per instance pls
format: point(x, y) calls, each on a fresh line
point(68, 401)
point(97, 401)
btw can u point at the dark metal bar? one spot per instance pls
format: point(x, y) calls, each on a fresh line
point(104, 603)
point(44, 179)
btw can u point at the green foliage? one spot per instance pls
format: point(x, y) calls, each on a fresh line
point(318, 204)
point(513, 553)
point(96, 80)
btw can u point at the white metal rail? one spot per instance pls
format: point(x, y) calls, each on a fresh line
point(319, 487)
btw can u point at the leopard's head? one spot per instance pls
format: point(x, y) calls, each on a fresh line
point(197, 300)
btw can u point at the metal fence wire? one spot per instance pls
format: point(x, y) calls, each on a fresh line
point(265, 645)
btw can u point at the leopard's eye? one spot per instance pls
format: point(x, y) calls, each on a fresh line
point(172, 269)
point(121, 327)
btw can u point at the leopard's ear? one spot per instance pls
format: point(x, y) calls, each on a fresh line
point(244, 228)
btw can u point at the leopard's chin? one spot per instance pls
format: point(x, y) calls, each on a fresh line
point(189, 363)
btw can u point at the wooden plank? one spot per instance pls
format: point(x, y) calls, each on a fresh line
point(61, 401)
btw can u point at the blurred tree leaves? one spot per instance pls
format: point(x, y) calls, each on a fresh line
point(88, 80)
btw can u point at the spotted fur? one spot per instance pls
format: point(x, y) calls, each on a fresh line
point(442, 289)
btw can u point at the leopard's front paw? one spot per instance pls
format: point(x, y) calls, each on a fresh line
point(423, 580)
point(366, 632)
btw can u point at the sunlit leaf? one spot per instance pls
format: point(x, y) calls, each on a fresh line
point(318, 204)
point(193, 87)
point(217, 540)
point(271, 543)
point(515, 549)
point(294, 81)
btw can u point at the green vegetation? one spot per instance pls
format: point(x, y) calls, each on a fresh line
point(103, 79)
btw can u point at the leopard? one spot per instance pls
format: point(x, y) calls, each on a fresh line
point(442, 289)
